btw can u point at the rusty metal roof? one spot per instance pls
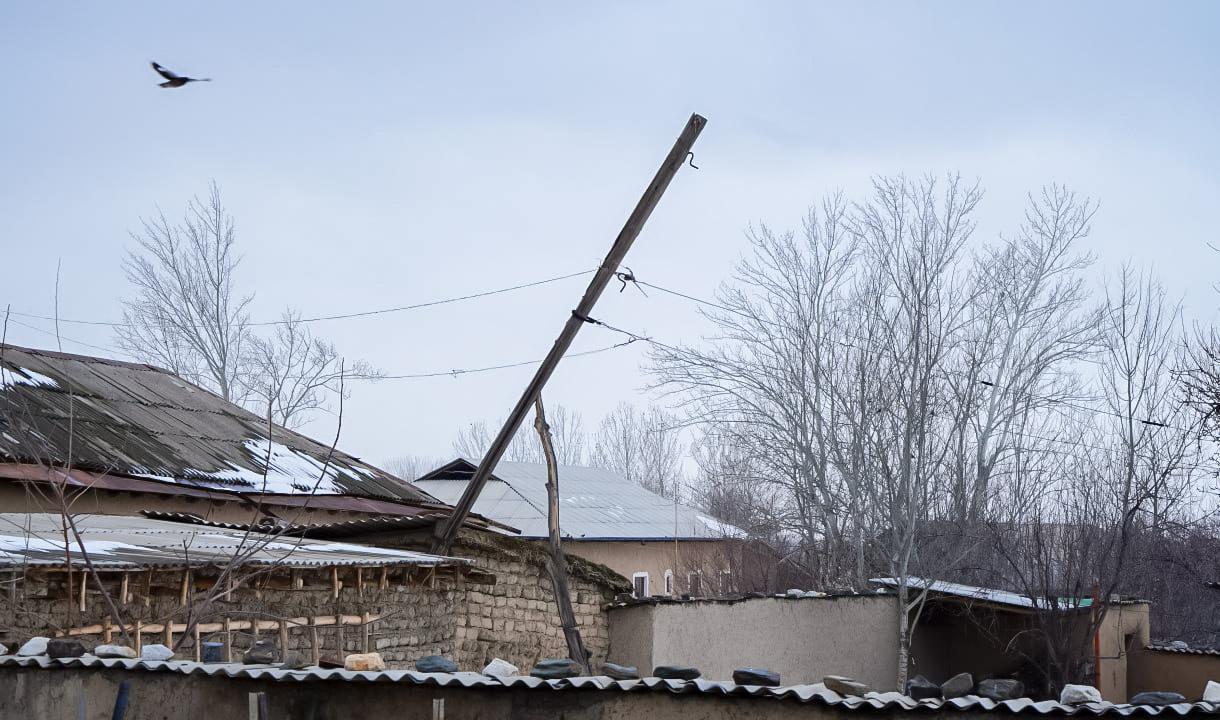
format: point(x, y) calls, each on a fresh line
point(816, 694)
point(120, 542)
point(139, 421)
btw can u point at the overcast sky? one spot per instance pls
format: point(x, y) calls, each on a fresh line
point(379, 154)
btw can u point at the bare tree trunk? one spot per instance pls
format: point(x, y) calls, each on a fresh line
point(556, 563)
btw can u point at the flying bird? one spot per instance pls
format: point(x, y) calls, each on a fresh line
point(173, 80)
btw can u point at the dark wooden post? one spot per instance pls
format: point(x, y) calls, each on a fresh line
point(556, 563)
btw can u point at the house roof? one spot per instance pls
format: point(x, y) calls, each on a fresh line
point(121, 542)
point(594, 504)
point(128, 420)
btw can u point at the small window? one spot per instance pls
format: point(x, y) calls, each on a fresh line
point(694, 583)
point(669, 582)
point(726, 582)
point(639, 584)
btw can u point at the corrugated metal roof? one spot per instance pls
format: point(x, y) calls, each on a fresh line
point(982, 594)
point(594, 504)
point(117, 542)
point(813, 694)
point(123, 418)
point(1183, 650)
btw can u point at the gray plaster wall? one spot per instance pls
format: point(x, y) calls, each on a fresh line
point(803, 639)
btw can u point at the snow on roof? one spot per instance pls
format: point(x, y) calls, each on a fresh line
point(127, 419)
point(594, 504)
point(36, 539)
point(991, 595)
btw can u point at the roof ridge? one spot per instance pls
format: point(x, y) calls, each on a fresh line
point(86, 358)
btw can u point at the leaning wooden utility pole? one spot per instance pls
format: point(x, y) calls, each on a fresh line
point(557, 564)
point(446, 533)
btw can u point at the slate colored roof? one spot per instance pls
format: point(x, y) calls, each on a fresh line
point(139, 421)
point(816, 694)
point(119, 542)
point(594, 504)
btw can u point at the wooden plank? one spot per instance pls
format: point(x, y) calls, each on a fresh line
point(228, 623)
point(313, 641)
point(198, 644)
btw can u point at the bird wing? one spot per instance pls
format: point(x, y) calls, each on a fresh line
point(163, 72)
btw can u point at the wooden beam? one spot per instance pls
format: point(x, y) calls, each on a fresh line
point(448, 531)
point(228, 639)
point(198, 644)
point(313, 641)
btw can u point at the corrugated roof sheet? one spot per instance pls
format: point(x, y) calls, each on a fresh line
point(36, 539)
point(1183, 650)
point(814, 694)
point(594, 504)
point(123, 418)
point(982, 594)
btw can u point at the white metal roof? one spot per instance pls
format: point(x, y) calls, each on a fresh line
point(594, 504)
point(112, 541)
point(971, 592)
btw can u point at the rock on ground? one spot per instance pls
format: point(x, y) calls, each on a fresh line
point(156, 652)
point(756, 676)
point(1076, 694)
point(845, 685)
point(34, 646)
point(957, 686)
point(921, 688)
point(1156, 697)
point(65, 648)
point(1001, 689)
point(436, 664)
point(114, 651)
point(364, 661)
point(676, 672)
point(500, 668)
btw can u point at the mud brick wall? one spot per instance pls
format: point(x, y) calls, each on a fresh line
point(469, 618)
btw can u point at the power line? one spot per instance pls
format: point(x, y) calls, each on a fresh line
point(343, 316)
point(1143, 421)
point(1149, 422)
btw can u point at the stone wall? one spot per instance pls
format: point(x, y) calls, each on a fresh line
point(469, 618)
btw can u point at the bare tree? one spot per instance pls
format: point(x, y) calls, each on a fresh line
point(566, 428)
point(412, 467)
point(641, 446)
point(187, 315)
point(889, 379)
point(292, 372)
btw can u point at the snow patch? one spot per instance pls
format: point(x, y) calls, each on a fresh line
point(25, 376)
point(720, 528)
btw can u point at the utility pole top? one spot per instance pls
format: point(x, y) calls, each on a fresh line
point(446, 533)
